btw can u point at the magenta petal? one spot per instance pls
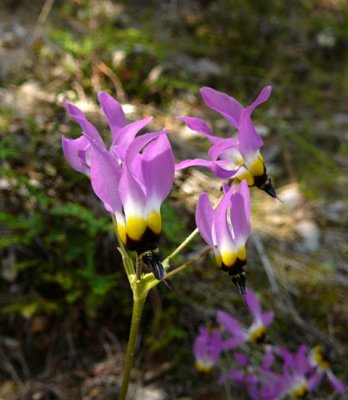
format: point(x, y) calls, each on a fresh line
point(105, 179)
point(301, 360)
point(226, 144)
point(242, 359)
point(221, 230)
point(139, 143)
point(267, 318)
point(131, 192)
point(261, 98)
point(158, 168)
point(240, 216)
point(230, 324)
point(336, 383)
point(249, 140)
point(204, 218)
point(199, 125)
point(253, 303)
point(112, 111)
point(75, 151)
point(268, 360)
point(223, 173)
point(126, 134)
point(197, 162)
point(225, 105)
point(87, 128)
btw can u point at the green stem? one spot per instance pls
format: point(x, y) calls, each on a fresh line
point(179, 248)
point(138, 306)
point(188, 263)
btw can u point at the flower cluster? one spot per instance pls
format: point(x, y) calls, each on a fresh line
point(280, 374)
point(132, 178)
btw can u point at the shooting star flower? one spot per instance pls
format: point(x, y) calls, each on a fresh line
point(257, 330)
point(238, 158)
point(226, 229)
point(207, 348)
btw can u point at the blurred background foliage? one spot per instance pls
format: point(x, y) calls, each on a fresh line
point(64, 300)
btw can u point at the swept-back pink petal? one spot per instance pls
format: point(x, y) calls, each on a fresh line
point(131, 192)
point(231, 325)
point(197, 162)
point(302, 364)
point(139, 143)
point(158, 168)
point(204, 218)
point(200, 126)
point(253, 304)
point(261, 98)
point(87, 128)
point(267, 318)
point(240, 214)
point(250, 140)
point(105, 179)
point(75, 151)
point(336, 383)
point(126, 134)
point(221, 231)
point(113, 112)
point(220, 169)
point(225, 144)
point(225, 105)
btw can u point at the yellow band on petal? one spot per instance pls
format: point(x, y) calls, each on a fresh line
point(229, 258)
point(218, 259)
point(154, 222)
point(257, 335)
point(241, 253)
point(257, 167)
point(247, 176)
point(135, 227)
point(122, 233)
point(203, 367)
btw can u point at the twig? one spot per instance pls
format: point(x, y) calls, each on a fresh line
point(42, 18)
point(103, 68)
point(265, 262)
point(194, 260)
point(10, 369)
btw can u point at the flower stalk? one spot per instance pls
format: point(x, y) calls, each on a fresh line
point(139, 298)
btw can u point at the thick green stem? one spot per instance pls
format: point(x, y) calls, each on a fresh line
point(138, 306)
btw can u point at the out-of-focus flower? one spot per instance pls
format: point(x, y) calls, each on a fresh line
point(132, 178)
point(207, 348)
point(297, 378)
point(321, 362)
point(226, 230)
point(238, 158)
point(255, 333)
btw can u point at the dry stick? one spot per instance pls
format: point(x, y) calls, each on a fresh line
point(194, 260)
point(265, 262)
point(103, 68)
point(42, 19)
point(10, 369)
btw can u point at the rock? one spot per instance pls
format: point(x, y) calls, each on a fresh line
point(291, 196)
point(310, 234)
